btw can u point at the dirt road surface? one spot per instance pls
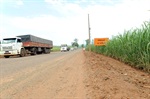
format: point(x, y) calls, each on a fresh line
point(71, 75)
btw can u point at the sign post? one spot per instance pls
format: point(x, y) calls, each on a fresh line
point(89, 33)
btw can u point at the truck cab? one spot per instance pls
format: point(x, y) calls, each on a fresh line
point(11, 46)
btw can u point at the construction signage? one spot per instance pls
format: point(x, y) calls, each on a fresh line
point(100, 41)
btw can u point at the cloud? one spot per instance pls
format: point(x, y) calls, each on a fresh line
point(1, 1)
point(64, 8)
point(19, 2)
point(14, 2)
point(111, 20)
point(57, 28)
point(54, 2)
point(105, 21)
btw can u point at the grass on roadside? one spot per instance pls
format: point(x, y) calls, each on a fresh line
point(133, 47)
point(55, 48)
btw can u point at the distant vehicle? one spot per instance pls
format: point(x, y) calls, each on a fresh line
point(75, 47)
point(64, 48)
point(25, 44)
point(71, 48)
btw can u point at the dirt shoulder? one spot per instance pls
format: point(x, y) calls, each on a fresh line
point(110, 79)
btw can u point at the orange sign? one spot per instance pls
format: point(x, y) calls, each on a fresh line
point(100, 41)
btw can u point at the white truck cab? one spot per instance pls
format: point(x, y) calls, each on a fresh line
point(11, 46)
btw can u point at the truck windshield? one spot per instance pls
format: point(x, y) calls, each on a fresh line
point(63, 45)
point(8, 40)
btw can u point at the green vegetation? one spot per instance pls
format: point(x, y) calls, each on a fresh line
point(82, 45)
point(75, 43)
point(56, 48)
point(133, 47)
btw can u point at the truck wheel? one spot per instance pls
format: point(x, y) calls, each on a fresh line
point(47, 50)
point(34, 51)
point(6, 56)
point(22, 53)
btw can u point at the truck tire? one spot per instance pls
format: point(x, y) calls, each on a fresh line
point(44, 51)
point(25, 53)
point(34, 51)
point(6, 56)
point(47, 50)
point(22, 53)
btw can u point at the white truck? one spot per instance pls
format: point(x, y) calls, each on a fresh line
point(64, 48)
point(24, 44)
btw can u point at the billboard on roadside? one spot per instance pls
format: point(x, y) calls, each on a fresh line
point(100, 41)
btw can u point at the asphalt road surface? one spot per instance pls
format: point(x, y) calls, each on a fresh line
point(50, 76)
point(11, 65)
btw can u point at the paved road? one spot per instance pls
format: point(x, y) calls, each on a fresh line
point(50, 76)
point(15, 64)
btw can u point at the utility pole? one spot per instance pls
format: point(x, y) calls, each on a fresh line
point(89, 33)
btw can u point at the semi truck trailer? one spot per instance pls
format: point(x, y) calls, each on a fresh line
point(25, 44)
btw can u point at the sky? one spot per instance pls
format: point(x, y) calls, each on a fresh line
point(64, 20)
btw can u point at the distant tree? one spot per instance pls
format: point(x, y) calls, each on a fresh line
point(87, 42)
point(75, 43)
point(82, 45)
point(76, 40)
